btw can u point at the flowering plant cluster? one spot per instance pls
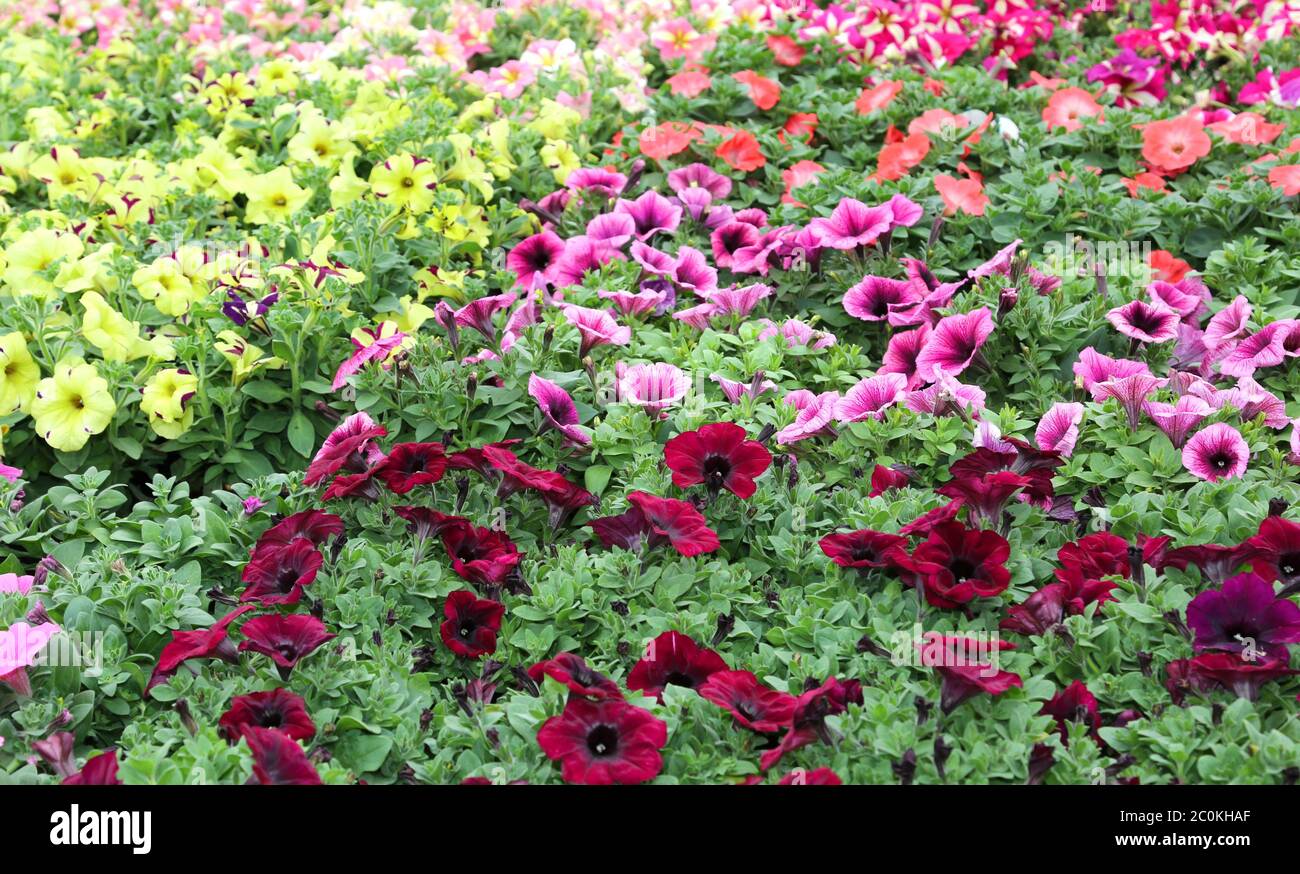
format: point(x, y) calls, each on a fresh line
point(728, 391)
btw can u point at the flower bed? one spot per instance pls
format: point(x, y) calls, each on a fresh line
point(585, 392)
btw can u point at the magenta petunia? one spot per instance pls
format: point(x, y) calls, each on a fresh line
point(1216, 452)
point(852, 224)
point(1059, 428)
point(477, 314)
point(1229, 324)
point(615, 228)
point(557, 408)
point(813, 419)
point(1178, 419)
point(604, 742)
point(1244, 613)
point(349, 447)
point(954, 343)
point(1093, 368)
point(699, 176)
point(1145, 322)
point(1265, 348)
point(692, 272)
point(533, 259)
point(651, 213)
point(878, 298)
point(871, 397)
point(902, 353)
point(1132, 393)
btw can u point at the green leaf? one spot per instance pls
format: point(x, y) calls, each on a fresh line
point(302, 436)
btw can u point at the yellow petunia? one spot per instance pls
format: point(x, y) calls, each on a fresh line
point(116, 337)
point(30, 257)
point(164, 282)
point(274, 197)
point(245, 359)
point(19, 374)
point(165, 399)
point(347, 186)
point(405, 181)
point(318, 142)
point(560, 158)
point(72, 405)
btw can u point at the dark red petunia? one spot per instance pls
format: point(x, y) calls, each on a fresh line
point(1277, 552)
point(314, 525)
point(277, 575)
point(347, 485)
point(286, 640)
point(966, 667)
point(956, 565)
point(1074, 703)
point(922, 525)
point(604, 742)
point(1237, 675)
point(1244, 616)
point(428, 523)
point(808, 722)
point(753, 705)
point(480, 555)
point(1070, 595)
point(1096, 555)
point(985, 496)
point(100, 770)
point(277, 709)
point(562, 498)
point(205, 643)
point(720, 456)
point(1215, 561)
point(278, 760)
point(471, 626)
point(1024, 459)
point(573, 672)
point(474, 458)
point(815, 777)
point(673, 659)
point(884, 479)
point(678, 521)
point(865, 549)
point(412, 464)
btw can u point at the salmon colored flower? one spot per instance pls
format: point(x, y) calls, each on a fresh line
point(878, 97)
point(689, 84)
point(896, 159)
point(1174, 145)
point(1148, 181)
point(1066, 107)
point(667, 139)
point(763, 91)
point(1285, 177)
point(741, 152)
point(961, 195)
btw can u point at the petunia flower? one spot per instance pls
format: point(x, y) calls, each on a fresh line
point(1144, 322)
point(411, 464)
point(278, 574)
point(480, 555)
point(477, 314)
point(902, 353)
point(961, 195)
point(471, 624)
point(699, 175)
point(604, 742)
point(877, 298)
point(1073, 704)
point(871, 397)
point(813, 419)
point(633, 303)
point(379, 350)
point(278, 710)
point(533, 260)
point(866, 549)
point(719, 456)
point(313, 525)
point(1059, 428)
point(574, 673)
point(734, 390)
point(16, 584)
point(653, 387)
point(673, 659)
point(946, 397)
point(100, 770)
point(1178, 419)
point(278, 760)
point(1244, 613)
point(350, 447)
point(1132, 393)
point(1277, 552)
point(285, 639)
point(558, 409)
point(986, 495)
point(1174, 145)
point(764, 92)
point(956, 565)
point(651, 213)
point(1216, 452)
point(954, 343)
point(613, 228)
point(20, 645)
point(691, 272)
point(852, 224)
point(966, 667)
point(597, 327)
point(1265, 348)
point(1067, 106)
point(751, 704)
point(203, 643)
point(1233, 673)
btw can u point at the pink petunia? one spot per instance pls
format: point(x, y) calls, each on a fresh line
point(877, 298)
point(814, 417)
point(477, 314)
point(1058, 430)
point(19, 647)
point(945, 397)
point(902, 352)
point(1265, 348)
point(734, 390)
point(954, 343)
point(692, 272)
point(1178, 419)
point(377, 351)
point(1216, 452)
point(1228, 324)
point(1094, 368)
point(633, 303)
point(871, 397)
point(653, 387)
point(557, 408)
point(852, 224)
point(1132, 393)
point(1149, 323)
point(597, 327)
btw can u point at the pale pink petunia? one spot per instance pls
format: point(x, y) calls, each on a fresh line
point(16, 584)
point(1228, 324)
point(1178, 419)
point(557, 408)
point(1145, 322)
point(852, 224)
point(1094, 368)
point(1216, 452)
point(989, 436)
point(871, 397)
point(653, 387)
point(1293, 457)
point(597, 327)
point(814, 418)
point(954, 343)
point(377, 351)
point(1058, 430)
point(19, 647)
point(528, 312)
point(1132, 393)
point(1265, 348)
point(734, 390)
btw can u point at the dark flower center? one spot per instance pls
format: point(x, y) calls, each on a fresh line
point(716, 469)
point(603, 741)
point(863, 552)
point(288, 650)
point(677, 678)
point(962, 568)
point(271, 719)
point(287, 579)
point(1289, 564)
point(466, 628)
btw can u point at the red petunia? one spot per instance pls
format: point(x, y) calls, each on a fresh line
point(801, 126)
point(956, 565)
point(573, 672)
point(279, 710)
point(412, 464)
point(480, 555)
point(865, 549)
point(667, 139)
point(100, 770)
point(278, 760)
point(673, 659)
point(720, 456)
point(604, 742)
point(678, 521)
point(211, 642)
point(753, 705)
point(278, 575)
point(314, 525)
point(286, 640)
point(472, 623)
